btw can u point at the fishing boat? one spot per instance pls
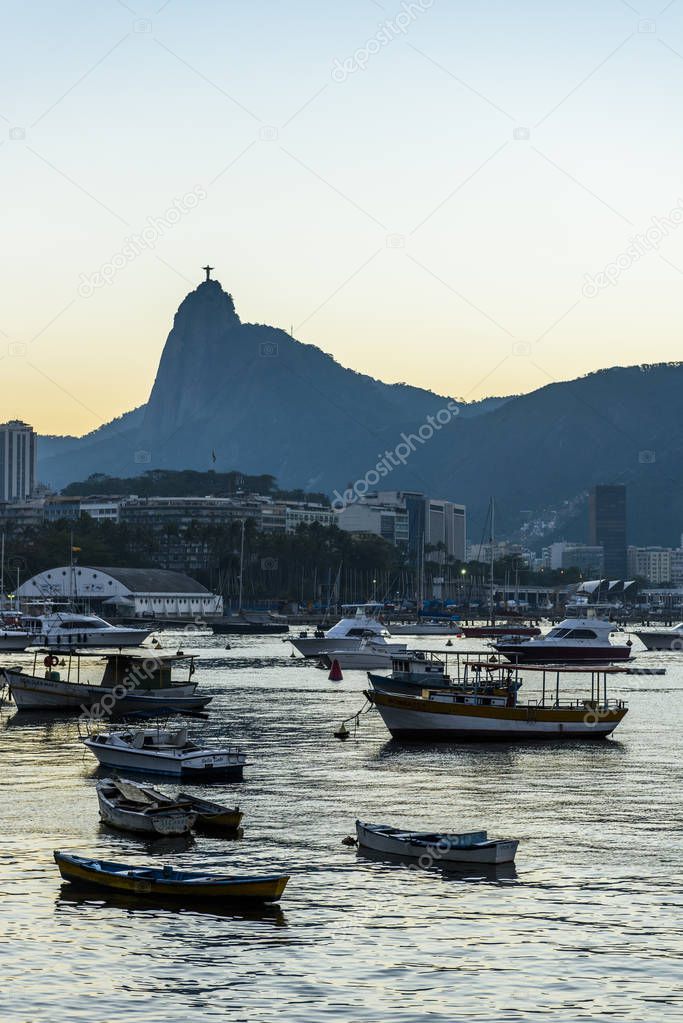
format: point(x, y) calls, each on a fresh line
point(166, 882)
point(438, 847)
point(662, 639)
point(127, 807)
point(165, 751)
point(360, 622)
point(477, 714)
point(419, 669)
point(210, 815)
point(585, 636)
point(129, 684)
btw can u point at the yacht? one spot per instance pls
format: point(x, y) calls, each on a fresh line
point(360, 622)
point(586, 635)
point(66, 630)
point(662, 639)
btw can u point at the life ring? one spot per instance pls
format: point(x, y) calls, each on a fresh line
point(51, 661)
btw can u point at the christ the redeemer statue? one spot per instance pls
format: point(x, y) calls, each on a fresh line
point(208, 271)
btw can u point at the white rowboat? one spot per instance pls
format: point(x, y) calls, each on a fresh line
point(433, 848)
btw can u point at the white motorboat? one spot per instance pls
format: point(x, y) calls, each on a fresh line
point(126, 806)
point(165, 751)
point(662, 639)
point(585, 636)
point(432, 847)
point(129, 684)
point(372, 653)
point(359, 623)
point(67, 630)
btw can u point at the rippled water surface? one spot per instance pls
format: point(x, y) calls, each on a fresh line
point(589, 926)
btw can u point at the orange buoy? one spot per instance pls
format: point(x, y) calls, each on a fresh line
point(335, 672)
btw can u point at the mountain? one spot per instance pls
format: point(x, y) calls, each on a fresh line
point(257, 400)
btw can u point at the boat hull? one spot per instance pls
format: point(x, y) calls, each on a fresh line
point(415, 718)
point(15, 642)
point(440, 850)
point(130, 878)
point(98, 641)
point(30, 692)
point(662, 641)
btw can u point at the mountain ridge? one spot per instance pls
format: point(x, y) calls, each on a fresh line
point(254, 398)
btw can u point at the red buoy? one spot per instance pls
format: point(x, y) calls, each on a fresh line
point(336, 672)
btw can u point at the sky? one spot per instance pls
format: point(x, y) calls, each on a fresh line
point(479, 199)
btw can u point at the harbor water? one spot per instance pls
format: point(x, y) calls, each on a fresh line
point(588, 925)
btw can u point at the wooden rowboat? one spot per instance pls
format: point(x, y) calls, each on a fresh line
point(123, 805)
point(167, 883)
point(212, 816)
point(436, 847)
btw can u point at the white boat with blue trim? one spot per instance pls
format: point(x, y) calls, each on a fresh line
point(434, 846)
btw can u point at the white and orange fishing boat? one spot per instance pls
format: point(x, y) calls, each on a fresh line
point(478, 714)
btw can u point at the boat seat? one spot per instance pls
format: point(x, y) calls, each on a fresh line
point(138, 740)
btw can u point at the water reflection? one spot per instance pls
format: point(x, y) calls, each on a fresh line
point(92, 902)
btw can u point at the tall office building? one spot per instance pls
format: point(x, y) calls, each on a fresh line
point(18, 456)
point(607, 522)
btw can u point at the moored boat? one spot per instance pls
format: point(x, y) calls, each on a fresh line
point(65, 630)
point(662, 639)
point(210, 815)
point(127, 807)
point(585, 637)
point(129, 684)
point(436, 847)
point(477, 714)
point(360, 622)
point(165, 751)
point(166, 882)
point(372, 653)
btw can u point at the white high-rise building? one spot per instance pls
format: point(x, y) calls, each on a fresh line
point(18, 458)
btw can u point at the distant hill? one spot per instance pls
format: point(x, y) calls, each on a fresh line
point(254, 398)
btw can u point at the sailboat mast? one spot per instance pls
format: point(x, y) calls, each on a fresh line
point(493, 534)
point(2, 569)
point(239, 608)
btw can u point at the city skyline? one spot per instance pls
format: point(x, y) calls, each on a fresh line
point(390, 186)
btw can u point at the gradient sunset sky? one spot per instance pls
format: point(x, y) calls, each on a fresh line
point(430, 200)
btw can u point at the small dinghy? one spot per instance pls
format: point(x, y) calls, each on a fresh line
point(166, 882)
point(128, 807)
point(209, 815)
point(440, 847)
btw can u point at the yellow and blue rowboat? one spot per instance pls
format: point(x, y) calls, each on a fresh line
point(166, 882)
